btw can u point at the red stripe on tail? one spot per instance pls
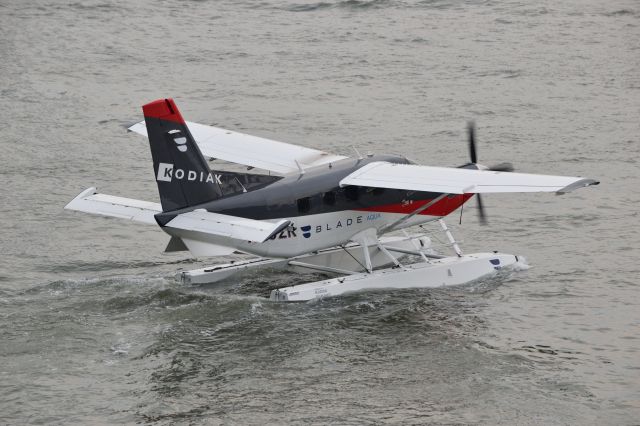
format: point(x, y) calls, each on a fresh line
point(164, 109)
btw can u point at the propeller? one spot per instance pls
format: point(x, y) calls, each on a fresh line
point(473, 155)
point(471, 130)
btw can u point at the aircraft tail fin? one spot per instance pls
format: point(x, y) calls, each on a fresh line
point(182, 174)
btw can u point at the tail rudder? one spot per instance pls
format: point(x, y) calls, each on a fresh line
point(182, 174)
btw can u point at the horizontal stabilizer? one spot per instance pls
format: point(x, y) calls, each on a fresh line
point(227, 226)
point(89, 201)
point(446, 180)
point(253, 151)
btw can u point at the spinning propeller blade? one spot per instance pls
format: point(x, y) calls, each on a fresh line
point(473, 155)
point(482, 216)
point(472, 142)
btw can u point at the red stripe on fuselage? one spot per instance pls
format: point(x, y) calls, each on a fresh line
point(441, 208)
point(164, 109)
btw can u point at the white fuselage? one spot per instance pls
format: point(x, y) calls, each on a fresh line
point(308, 233)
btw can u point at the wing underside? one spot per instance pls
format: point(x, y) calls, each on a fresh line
point(223, 227)
point(90, 201)
point(458, 181)
point(226, 226)
point(253, 151)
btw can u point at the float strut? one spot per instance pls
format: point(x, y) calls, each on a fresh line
point(453, 242)
point(389, 255)
point(417, 247)
point(367, 258)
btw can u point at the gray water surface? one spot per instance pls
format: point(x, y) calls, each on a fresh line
point(95, 330)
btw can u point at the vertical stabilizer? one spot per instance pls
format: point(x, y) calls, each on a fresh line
point(181, 172)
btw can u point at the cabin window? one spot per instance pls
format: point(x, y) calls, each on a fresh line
point(352, 193)
point(329, 198)
point(374, 191)
point(304, 205)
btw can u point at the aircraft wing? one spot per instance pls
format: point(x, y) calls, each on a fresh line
point(227, 226)
point(381, 174)
point(89, 201)
point(240, 148)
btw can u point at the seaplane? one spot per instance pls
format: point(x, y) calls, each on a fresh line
point(311, 210)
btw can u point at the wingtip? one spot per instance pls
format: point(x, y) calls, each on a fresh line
point(283, 225)
point(582, 183)
point(87, 192)
point(128, 125)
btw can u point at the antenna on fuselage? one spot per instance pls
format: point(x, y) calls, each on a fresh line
point(357, 152)
point(299, 167)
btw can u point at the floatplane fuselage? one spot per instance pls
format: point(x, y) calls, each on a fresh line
point(321, 213)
